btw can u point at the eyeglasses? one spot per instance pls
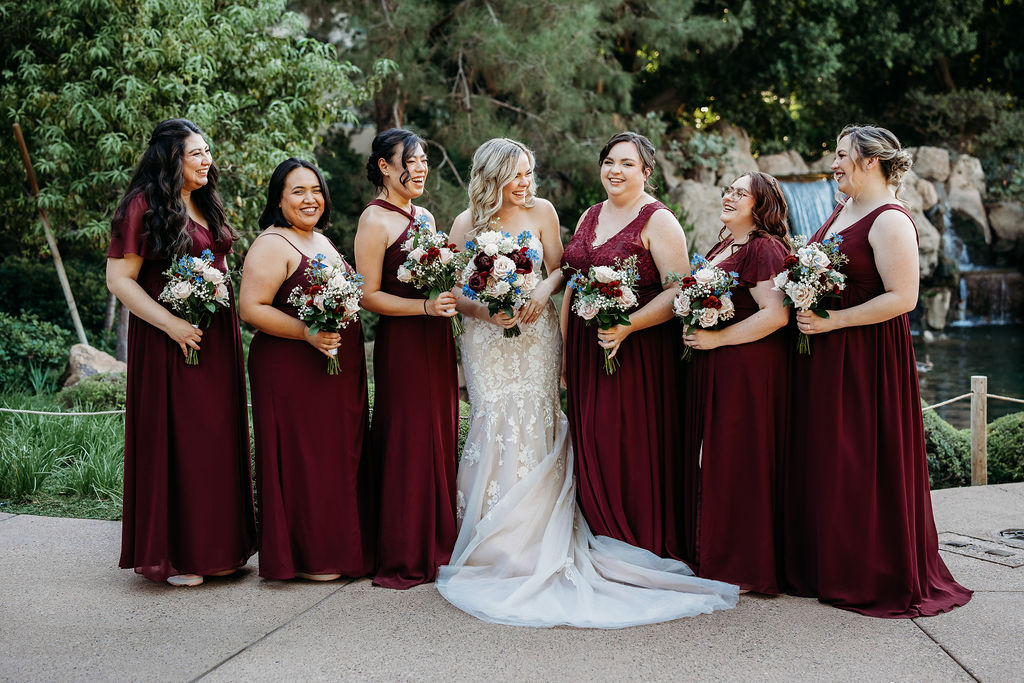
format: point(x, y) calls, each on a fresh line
point(738, 192)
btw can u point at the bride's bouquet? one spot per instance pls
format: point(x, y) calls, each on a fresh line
point(605, 294)
point(499, 272)
point(194, 290)
point(431, 265)
point(810, 276)
point(704, 298)
point(330, 302)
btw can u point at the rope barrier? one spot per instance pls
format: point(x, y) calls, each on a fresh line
point(939, 405)
point(1005, 398)
point(44, 412)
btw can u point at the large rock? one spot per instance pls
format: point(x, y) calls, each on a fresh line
point(919, 192)
point(84, 361)
point(1007, 221)
point(929, 243)
point(965, 188)
point(936, 307)
point(738, 160)
point(703, 206)
point(822, 165)
point(931, 163)
point(668, 170)
point(782, 164)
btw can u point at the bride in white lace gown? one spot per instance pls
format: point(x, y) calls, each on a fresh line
point(524, 554)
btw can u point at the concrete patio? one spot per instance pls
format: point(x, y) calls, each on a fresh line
point(68, 613)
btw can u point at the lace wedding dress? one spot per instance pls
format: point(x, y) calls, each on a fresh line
point(524, 555)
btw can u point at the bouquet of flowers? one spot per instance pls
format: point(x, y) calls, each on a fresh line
point(704, 298)
point(812, 274)
point(431, 265)
point(605, 294)
point(499, 272)
point(194, 290)
point(330, 302)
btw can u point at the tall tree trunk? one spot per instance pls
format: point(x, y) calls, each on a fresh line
point(947, 77)
point(122, 335)
point(108, 317)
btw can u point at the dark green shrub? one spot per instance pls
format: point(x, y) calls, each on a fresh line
point(29, 346)
point(948, 451)
point(105, 391)
point(1006, 449)
point(30, 285)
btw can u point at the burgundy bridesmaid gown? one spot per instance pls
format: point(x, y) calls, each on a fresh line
point(737, 407)
point(625, 430)
point(187, 483)
point(314, 480)
point(859, 532)
point(414, 433)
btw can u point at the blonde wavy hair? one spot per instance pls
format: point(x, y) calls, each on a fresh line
point(495, 164)
point(874, 141)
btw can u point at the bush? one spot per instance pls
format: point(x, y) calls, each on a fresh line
point(1006, 449)
point(948, 451)
point(29, 346)
point(105, 391)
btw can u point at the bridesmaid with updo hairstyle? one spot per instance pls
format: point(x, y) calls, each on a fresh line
point(414, 431)
point(859, 532)
point(187, 484)
point(736, 405)
point(314, 479)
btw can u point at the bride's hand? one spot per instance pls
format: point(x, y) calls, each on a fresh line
point(503, 321)
point(532, 309)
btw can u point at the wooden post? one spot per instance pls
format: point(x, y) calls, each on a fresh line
point(979, 430)
point(61, 275)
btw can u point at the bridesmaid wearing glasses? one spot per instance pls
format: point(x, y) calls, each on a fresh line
point(736, 407)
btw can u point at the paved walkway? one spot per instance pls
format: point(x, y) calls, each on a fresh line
point(68, 613)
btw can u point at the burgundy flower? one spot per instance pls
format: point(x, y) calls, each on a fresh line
point(712, 302)
point(483, 262)
point(689, 281)
point(433, 253)
point(789, 261)
point(522, 261)
point(477, 281)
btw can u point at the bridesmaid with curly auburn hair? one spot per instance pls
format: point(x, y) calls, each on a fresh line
point(736, 403)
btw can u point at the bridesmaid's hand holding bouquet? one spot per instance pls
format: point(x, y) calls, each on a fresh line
point(606, 294)
point(432, 264)
point(499, 272)
point(330, 302)
point(194, 290)
point(704, 299)
point(811, 275)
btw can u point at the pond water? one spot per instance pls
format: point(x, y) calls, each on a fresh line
point(996, 351)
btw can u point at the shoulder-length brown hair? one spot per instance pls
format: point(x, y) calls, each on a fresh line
point(771, 212)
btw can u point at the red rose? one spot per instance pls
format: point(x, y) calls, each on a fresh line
point(689, 281)
point(522, 261)
point(789, 261)
point(433, 253)
point(477, 282)
point(483, 262)
point(712, 302)
point(835, 289)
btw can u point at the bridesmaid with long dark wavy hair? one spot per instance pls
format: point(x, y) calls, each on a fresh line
point(859, 531)
point(736, 404)
point(187, 484)
point(414, 431)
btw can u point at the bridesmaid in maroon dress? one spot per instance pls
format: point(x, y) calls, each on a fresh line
point(859, 529)
point(625, 435)
point(187, 484)
point(414, 433)
point(737, 395)
point(313, 478)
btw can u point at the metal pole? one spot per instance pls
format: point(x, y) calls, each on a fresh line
point(61, 275)
point(979, 427)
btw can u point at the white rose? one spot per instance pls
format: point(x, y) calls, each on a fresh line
point(801, 294)
point(813, 258)
point(404, 274)
point(605, 274)
point(220, 292)
point(708, 317)
point(587, 310)
point(211, 274)
point(530, 281)
point(416, 254)
point(351, 305)
point(488, 237)
point(318, 301)
point(407, 245)
point(704, 276)
point(198, 264)
point(446, 255)
point(503, 265)
point(491, 249)
point(506, 245)
point(727, 309)
point(681, 305)
point(781, 280)
point(628, 298)
point(338, 280)
point(182, 290)
point(501, 288)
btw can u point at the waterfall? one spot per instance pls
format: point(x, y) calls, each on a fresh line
point(810, 204)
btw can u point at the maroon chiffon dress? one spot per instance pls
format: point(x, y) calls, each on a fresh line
point(414, 433)
point(859, 532)
point(625, 431)
point(187, 483)
point(314, 478)
point(736, 410)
